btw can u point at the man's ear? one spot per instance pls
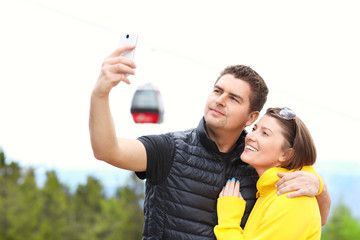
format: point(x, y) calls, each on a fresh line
point(252, 118)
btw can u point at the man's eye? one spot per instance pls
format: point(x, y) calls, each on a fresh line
point(235, 99)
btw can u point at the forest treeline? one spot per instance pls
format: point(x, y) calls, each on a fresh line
point(52, 211)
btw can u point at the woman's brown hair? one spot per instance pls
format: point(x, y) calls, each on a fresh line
point(297, 137)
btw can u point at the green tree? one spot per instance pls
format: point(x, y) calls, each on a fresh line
point(54, 216)
point(122, 216)
point(129, 201)
point(9, 198)
point(25, 223)
point(341, 226)
point(87, 209)
point(52, 212)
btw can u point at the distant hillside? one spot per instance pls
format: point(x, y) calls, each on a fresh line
point(342, 180)
point(345, 188)
point(110, 177)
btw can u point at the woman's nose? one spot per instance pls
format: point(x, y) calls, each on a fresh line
point(251, 136)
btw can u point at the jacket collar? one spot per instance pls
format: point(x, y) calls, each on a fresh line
point(210, 144)
point(266, 183)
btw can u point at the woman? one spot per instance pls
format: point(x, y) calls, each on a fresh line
point(279, 142)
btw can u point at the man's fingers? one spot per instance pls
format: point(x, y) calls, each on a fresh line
point(120, 50)
point(119, 59)
point(117, 73)
point(119, 69)
point(115, 69)
point(295, 194)
point(280, 174)
point(287, 187)
point(119, 65)
point(298, 183)
point(286, 177)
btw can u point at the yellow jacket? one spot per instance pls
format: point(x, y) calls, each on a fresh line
point(273, 216)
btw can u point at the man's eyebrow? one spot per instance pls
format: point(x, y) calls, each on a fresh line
point(232, 94)
point(218, 87)
point(237, 96)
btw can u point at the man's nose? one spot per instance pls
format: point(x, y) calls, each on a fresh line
point(221, 100)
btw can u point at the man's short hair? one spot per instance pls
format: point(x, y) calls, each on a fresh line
point(259, 90)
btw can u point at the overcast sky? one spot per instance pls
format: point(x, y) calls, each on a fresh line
point(51, 54)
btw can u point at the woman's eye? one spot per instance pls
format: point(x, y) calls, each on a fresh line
point(265, 133)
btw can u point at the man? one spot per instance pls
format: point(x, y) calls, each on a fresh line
point(185, 171)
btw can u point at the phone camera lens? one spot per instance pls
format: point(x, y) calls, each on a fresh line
point(127, 36)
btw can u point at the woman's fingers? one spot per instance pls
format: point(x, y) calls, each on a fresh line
point(237, 188)
point(227, 188)
point(232, 188)
point(222, 192)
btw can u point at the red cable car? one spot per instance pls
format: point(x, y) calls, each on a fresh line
point(147, 105)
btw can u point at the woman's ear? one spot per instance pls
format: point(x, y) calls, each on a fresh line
point(287, 155)
point(252, 118)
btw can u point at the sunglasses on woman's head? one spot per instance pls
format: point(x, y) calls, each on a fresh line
point(287, 113)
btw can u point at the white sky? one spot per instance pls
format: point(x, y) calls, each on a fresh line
point(51, 53)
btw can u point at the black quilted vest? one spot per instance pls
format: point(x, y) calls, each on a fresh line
point(183, 206)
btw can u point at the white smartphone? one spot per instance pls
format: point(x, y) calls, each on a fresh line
point(128, 39)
